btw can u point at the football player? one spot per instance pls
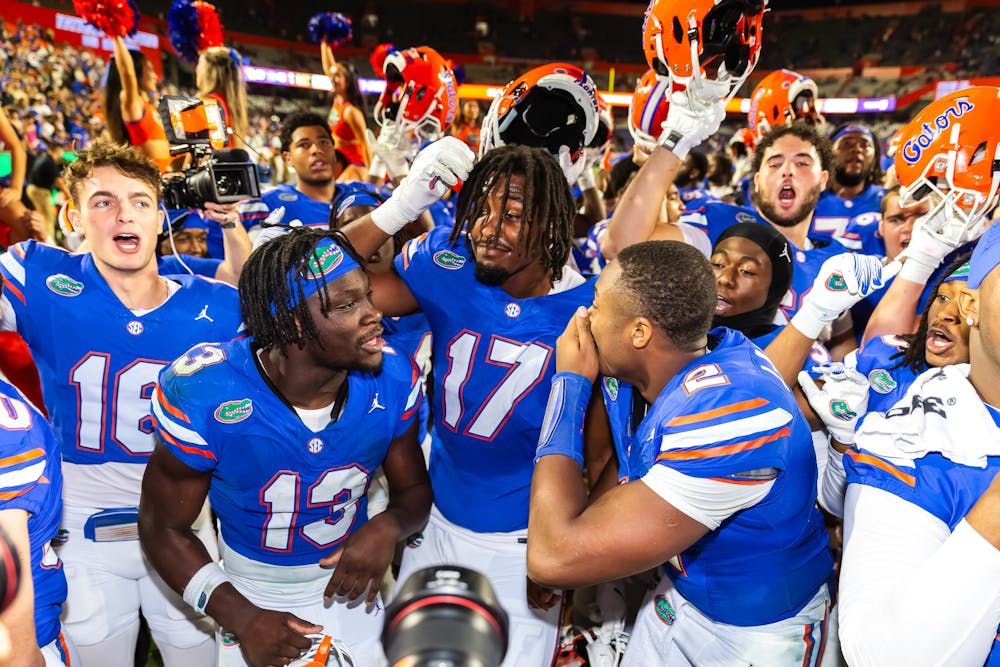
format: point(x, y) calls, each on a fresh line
point(283, 431)
point(124, 323)
point(496, 292)
point(855, 182)
point(715, 472)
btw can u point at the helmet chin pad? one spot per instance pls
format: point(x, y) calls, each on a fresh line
point(546, 118)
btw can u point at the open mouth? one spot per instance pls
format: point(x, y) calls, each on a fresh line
point(939, 341)
point(722, 305)
point(374, 342)
point(320, 164)
point(126, 242)
point(786, 195)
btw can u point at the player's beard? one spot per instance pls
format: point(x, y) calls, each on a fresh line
point(769, 211)
point(492, 276)
point(849, 180)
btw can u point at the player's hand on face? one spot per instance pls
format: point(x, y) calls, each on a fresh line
point(361, 561)
point(540, 597)
point(275, 638)
point(576, 351)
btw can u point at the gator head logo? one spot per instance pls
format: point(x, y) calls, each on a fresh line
point(743, 216)
point(64, 285)
point(611, 386)
point(232, 412)
point(664, 611)
point(836, 283)
point(321, 264)
point(881, 381)
point(447, 259)
point(841, 410)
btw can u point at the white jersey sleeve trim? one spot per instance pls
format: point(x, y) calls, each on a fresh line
point(695, 236)
point(911, 591)
point(182, 433)
point(833, 483)
point(23, 476)
point(746, 427)
point(707, 501)
point(8, 317)
point(14, 267)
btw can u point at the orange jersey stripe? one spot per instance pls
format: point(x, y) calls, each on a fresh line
point(169, 408)
point(35, 453)
point(8, 495)
point(711, 452)
point(186, 448)
point(717, 412)
point(860, 457)
point(16, 292)
point(740, 481)
point(18, 250)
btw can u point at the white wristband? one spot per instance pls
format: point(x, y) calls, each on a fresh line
point(202, 584)
point(389, 218)
point(917, 271)
point(587, 181)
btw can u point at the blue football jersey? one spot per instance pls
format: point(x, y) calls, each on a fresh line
point(494, 356)
point(170, 265)
point(285, 495)
point(861, 234)
point(31, 480)
point(818, 354)
point(97, 379)
point(942, 488)
point(728, 416)
point(298, 206)
point(833, 213)
point(880, 361)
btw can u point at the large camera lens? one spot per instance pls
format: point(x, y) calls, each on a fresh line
point(445, 617)
point(227, 185)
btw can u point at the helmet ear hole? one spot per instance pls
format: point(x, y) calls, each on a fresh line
point(678, 31)
point(661, 67)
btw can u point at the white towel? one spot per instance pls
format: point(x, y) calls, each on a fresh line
point(940, 412)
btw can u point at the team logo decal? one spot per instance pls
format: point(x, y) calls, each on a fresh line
point(841, 410)
point(414, 540)
point(664, 611)
point(325, 262)
point(512, 310)
point(611, 386)
point(447, 259)
point(836, 283)
point(913, 148)
point(135, 327)
point(232, 412)
point(228, 638)
point(287, 196)
point(64, 285)
point(881, 381)
point(743, 216)
point(315, 446)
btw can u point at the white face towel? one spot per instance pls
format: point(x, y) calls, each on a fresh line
point(940, 412)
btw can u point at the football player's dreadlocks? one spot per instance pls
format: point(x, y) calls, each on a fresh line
point(547, 202)
point(274, 314)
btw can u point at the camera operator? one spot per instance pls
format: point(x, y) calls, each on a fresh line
point(307, 147)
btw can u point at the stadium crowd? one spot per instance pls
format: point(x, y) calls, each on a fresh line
point(723, 393)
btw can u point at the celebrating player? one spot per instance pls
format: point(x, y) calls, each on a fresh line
point(283, 431)
point(126, 324)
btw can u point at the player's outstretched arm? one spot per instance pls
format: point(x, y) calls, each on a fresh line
point(172, 497)
point(363, 559)
point(20, 615)
point(690, 121)
point(236, 246)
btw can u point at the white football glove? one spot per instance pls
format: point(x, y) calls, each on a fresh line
point(439, 166)
point(273, 228)
point(572, 170)
point(390, 148)
point(843, 281)
point(690, 121)
point(842, 401)
point(592, 158)
point(934, 236)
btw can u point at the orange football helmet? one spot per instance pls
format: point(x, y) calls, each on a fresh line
point(781, 97)
point(420, 92)
point(713, 39)
point(951, 152)
point(648, 109)
point(550, 106)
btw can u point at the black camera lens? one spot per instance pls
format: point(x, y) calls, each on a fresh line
point(226, 185)
point(445, 617)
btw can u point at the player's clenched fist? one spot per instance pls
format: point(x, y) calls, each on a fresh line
point(575, 348)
